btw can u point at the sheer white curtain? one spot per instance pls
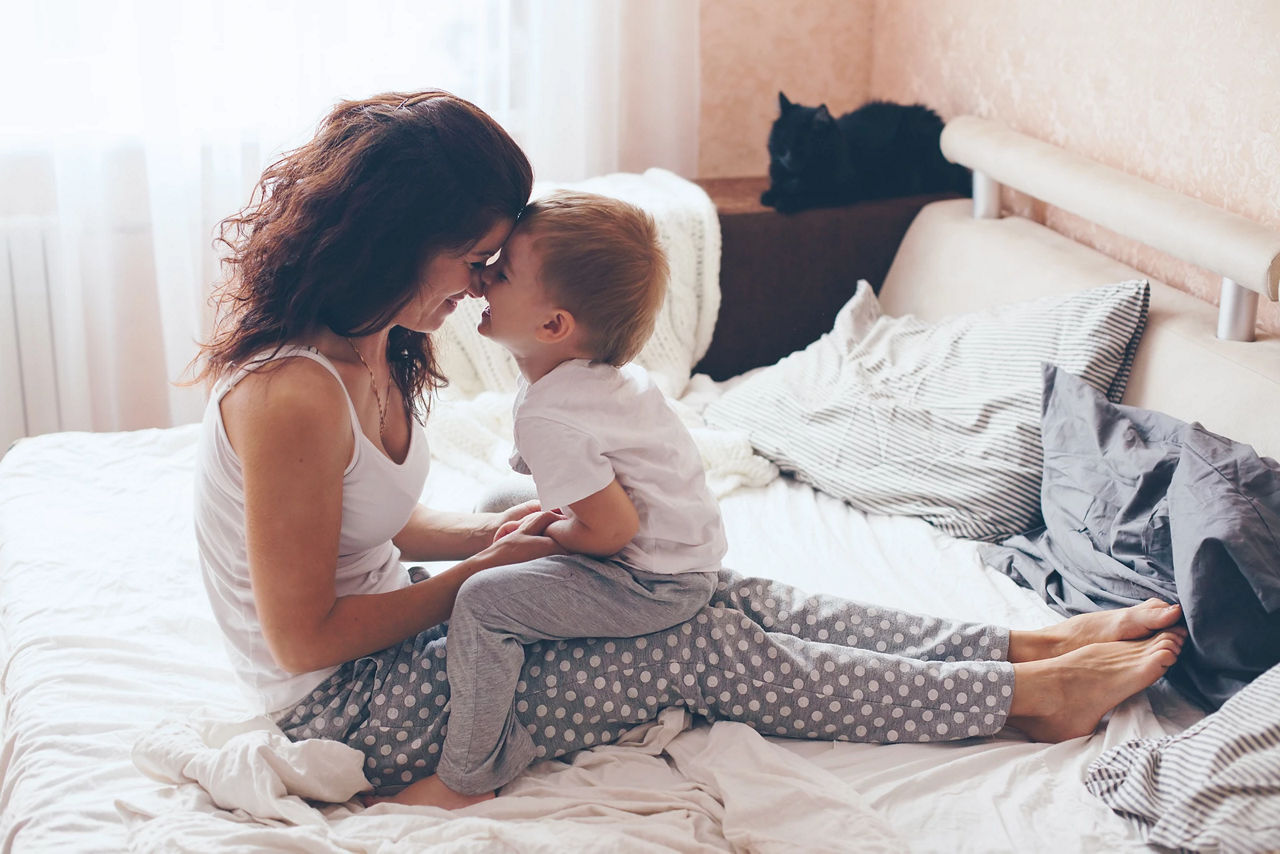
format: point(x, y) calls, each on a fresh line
point(133, 126)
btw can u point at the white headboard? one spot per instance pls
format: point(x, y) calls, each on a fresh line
point(951, 261)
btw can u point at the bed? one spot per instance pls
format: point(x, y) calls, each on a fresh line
point(122, 729)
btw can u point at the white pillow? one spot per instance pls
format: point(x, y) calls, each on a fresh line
point(937, 420)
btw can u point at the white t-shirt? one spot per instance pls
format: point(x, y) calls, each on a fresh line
point(584, 424)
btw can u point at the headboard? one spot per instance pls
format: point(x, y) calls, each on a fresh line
point(959, 256)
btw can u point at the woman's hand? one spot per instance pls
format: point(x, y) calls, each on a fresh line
point(509, 519)
point(523, 540)
point(533, 521)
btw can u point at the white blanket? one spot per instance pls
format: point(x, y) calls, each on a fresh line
point(666, 787)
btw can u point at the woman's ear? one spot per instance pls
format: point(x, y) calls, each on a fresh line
point(558, 326)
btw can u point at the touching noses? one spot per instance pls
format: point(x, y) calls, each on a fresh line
point(477, 282)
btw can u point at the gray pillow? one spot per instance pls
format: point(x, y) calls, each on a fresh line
point(1138, 504)
point(936, 420)
point(1214, 786)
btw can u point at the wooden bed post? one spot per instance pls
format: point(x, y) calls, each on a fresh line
point(1237, 312)
point(986, 196)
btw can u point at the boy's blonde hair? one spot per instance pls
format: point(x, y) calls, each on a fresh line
point(599, 258)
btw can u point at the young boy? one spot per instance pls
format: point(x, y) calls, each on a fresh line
point(573, 296)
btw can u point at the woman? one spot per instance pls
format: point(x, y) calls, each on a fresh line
point(355, 248)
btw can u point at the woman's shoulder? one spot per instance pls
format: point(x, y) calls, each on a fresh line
point(287, 396)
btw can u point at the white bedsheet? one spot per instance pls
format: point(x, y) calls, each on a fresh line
point(106, 633)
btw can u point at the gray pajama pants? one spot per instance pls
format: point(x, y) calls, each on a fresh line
point(760, 652)
point(500, 610)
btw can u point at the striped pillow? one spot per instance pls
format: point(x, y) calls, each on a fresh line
point(1212, 787)
point(937, 420)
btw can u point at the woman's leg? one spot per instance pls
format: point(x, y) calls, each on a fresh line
point(391, 706)
point(786, 685)
point(723, 664)
point(781, 608)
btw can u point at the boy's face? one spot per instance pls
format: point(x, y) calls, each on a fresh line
point(518, 302)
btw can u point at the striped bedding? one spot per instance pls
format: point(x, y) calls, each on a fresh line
point(936, 420)
point(1212, 787)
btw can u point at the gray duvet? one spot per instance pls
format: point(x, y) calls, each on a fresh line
point(1139, 504)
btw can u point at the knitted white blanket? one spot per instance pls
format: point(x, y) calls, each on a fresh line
point(471, 426)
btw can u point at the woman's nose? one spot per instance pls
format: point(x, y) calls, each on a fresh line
point(477, 283)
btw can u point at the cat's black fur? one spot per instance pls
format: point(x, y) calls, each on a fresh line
point(877, 151)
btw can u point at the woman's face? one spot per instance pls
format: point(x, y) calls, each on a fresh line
point(447, 277)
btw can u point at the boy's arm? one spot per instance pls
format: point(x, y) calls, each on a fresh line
point(601, 523)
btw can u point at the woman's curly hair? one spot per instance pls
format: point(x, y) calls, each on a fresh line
point(337, 230)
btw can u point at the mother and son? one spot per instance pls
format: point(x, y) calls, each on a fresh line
point(568, 619)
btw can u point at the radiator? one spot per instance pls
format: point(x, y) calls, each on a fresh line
point(29, 394)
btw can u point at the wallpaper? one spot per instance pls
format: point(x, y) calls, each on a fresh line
point(814, 50)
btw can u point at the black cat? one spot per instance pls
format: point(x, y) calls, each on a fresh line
point(877, 151)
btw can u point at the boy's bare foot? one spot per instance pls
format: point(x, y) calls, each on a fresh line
point(429, 792)
point(1065, 697)
point(1132, 623)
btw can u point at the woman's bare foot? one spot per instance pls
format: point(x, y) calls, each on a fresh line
point(429, 792)
point(1132, 623)
point(1065, 697)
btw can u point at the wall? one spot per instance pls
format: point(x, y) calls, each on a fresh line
point(814, 50)
point(1181, 92)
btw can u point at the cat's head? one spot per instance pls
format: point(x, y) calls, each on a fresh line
point(804, 143)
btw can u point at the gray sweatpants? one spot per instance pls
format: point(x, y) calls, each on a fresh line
point(761, 652)
point(500, 610)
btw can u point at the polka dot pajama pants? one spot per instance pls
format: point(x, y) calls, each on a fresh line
point(761, 652)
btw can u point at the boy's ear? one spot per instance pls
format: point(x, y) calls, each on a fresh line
point(557, 326)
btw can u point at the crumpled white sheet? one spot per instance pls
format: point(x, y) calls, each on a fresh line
point(665, 787)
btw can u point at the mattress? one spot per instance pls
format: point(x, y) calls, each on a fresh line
point(106, 632)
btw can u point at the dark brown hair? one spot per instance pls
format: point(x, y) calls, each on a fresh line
point(336, 231)
point(599, 257)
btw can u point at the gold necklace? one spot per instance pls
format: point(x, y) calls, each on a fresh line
point(373, 384)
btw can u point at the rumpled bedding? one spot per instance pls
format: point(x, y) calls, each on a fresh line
point(242, 786)
point(106, 633)
point(1140, 504)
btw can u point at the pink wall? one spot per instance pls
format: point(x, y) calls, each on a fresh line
point(814, 50)
point(1183, 93)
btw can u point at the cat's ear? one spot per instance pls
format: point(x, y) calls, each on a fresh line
point(823, 115)
point(783, 103)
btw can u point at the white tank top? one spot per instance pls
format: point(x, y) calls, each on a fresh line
point(377, 498)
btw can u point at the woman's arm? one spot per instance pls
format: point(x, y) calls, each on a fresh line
point(438, 535)
point(294, 445)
